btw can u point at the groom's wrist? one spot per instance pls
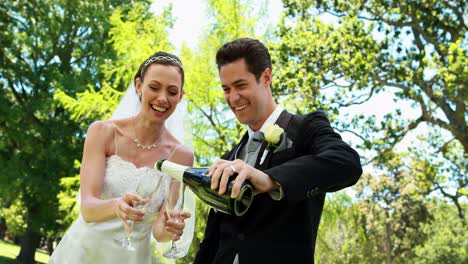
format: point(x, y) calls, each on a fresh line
point(276, 185)
point(276, 191)
point(273, 185)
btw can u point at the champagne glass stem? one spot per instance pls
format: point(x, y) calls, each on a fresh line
point(175, 252)
point(126, 241)
point(183, 196)
point(130, 229)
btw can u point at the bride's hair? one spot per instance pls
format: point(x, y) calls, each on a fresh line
point(163, 58)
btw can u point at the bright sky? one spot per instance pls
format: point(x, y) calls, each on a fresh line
point(191, 19)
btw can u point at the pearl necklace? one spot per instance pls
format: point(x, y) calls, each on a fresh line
point(138, 143)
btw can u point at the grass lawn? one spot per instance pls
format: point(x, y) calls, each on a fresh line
point(9, 251)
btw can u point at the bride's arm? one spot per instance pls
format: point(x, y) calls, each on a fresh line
point(163, 230)
point(92, 172)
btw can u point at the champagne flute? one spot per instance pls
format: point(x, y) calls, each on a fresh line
point(174, 205)
point(145, 191)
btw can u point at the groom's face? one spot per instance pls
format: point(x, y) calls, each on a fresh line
point(249, 99)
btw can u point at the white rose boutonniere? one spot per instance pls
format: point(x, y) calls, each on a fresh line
point(273, 134)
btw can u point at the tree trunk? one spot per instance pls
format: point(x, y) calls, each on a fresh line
point(29, 243)
point(2, 229)
point(388, 244)
point(50, 245)
point(460, 210)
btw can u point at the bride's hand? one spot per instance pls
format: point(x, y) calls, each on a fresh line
point(124, 208)
point(175, 225)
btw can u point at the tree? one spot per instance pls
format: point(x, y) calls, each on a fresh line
point(447, 241)
point(134, 34)
point(390, 221)
point(214, 127)
point(413, 51)
point(45, 46)
point(392, 215)
point(341, 237)
point(385, 222)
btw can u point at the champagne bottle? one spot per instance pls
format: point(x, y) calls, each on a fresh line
point(198, 181)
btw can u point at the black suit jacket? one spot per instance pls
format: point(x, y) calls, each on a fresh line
point(285, 231)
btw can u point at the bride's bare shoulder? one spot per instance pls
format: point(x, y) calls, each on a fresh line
point(108, 127)
point(104, 128)
point(100, 126)
point(183, 155)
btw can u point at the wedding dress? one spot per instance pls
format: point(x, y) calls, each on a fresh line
point(85, 243)
point(94, 242)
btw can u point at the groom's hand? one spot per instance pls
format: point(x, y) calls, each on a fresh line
point(222, 170)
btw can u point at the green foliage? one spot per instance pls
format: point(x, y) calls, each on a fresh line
point(371, 231)
point(393, 213)
point(341, 54)
point(134, 35)
point(370, 47)
point(214, 127)
point(46, 46)
point(392, 220)
point(447, 241)
point(68, 198)
point(14, 216)
point(336, 55)
point(443, 168)
point(341, 237)
point(385, 222)
point(314, 56)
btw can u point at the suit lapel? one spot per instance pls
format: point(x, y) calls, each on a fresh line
point(283, 119)
point(283, 122)
point(235, 152)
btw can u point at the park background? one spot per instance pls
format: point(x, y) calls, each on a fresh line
point(391, 76)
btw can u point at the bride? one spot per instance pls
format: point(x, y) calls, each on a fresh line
point(120, 153)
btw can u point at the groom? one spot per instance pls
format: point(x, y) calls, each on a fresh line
point(291, 166)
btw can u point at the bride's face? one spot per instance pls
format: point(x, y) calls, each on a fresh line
point(160, 91)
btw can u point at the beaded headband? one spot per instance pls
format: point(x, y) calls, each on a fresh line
point(161, 58)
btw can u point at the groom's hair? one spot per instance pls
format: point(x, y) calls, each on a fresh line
point(254, 53)
point(163, 58)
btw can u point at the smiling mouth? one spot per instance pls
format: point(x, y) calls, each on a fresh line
point(240, 107)
point(158, 108)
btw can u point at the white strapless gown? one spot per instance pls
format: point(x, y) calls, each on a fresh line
point(94, 242)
